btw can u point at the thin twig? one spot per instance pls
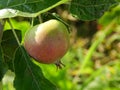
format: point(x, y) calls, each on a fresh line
point(40, 18)
point(16, 37)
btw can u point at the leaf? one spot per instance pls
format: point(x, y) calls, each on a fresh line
point(109, 16)
point(28, 75)
point(26, 8)
point(27, 5)
point(2, 70)
point(90, 9)
point(19, 25)
point(9, 46)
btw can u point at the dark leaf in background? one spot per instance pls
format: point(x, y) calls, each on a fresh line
point(26, 8)
point(90, 9)
point(28, 75)
point(2, 69)
point(9, 46)
point(31, 6)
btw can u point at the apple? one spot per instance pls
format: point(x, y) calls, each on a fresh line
point(47, 42)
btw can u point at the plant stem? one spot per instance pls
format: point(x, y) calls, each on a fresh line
point(14, 32)
point(16, 37)
point(24, 14)
point(101, 36)
point(23, 51)
point(32, 22)
point(53, 6)
point(40, 18)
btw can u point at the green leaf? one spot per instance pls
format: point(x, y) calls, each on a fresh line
point(90, 9)
point(9, 46)
point(2, 68)
point(28, 75)
point(19, 25)
point(26, 8)
point(27, 5)
point(109, 16)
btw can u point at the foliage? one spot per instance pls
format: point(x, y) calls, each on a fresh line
point(29, 76)
point(90, 10)
point(92, 63)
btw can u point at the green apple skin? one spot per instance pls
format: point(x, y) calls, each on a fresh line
point(47, 42)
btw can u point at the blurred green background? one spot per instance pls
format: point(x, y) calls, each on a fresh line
point(93, 60)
